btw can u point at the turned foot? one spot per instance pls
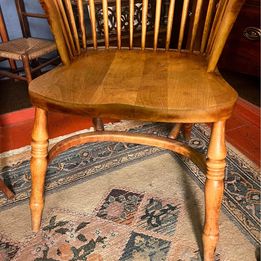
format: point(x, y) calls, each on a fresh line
point(38, 166)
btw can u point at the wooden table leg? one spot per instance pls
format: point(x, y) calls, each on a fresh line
point(38, 166)
point(214, 188)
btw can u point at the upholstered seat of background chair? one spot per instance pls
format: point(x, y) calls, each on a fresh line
point(136, 84)
point(178, 86)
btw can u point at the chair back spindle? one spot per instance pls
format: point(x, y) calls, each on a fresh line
point(118, 17)
point(131, 22)
point(66, 27)
point(216, 23)
point(81, 22)
point(170, 23)
point(106, 22)
point(64, 32)
point(207, 25)
point(144, 23)
point(56, 24)
point(196, 23)
point(73, 26)
point(157, 18)
point(183, 23)
point(93, 22)
point(157, 23)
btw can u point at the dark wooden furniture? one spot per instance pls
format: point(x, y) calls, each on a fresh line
point(160, 85)
point(27, 49)
point(242, 51)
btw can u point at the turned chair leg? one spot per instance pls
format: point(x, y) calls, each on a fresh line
point(175, 131)
point(98, 124)
point(187, 128)
point(214, 188)
point(27, 68)
point(8, 193)
point(38, 166)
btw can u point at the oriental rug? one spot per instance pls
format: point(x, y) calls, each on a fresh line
point(95, 161)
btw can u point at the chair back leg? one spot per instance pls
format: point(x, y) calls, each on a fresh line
point(175, 131)
point(98, 124)
point(187, 128)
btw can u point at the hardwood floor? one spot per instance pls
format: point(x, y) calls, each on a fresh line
point(243, 130)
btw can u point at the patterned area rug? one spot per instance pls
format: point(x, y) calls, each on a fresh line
point(127, 225)
point(241, 201)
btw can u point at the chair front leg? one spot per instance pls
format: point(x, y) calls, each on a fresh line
point(214, 189)
point(38, 166)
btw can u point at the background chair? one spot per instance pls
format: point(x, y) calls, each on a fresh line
point(4, 38)
point(179, 86)
point(28, 49)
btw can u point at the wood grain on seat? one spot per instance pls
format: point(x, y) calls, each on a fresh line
point(162, 86)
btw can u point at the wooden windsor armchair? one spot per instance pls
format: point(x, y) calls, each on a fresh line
point(178, 86)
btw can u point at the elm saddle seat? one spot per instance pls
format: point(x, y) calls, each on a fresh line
point(142, 85)
point(178, 85)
